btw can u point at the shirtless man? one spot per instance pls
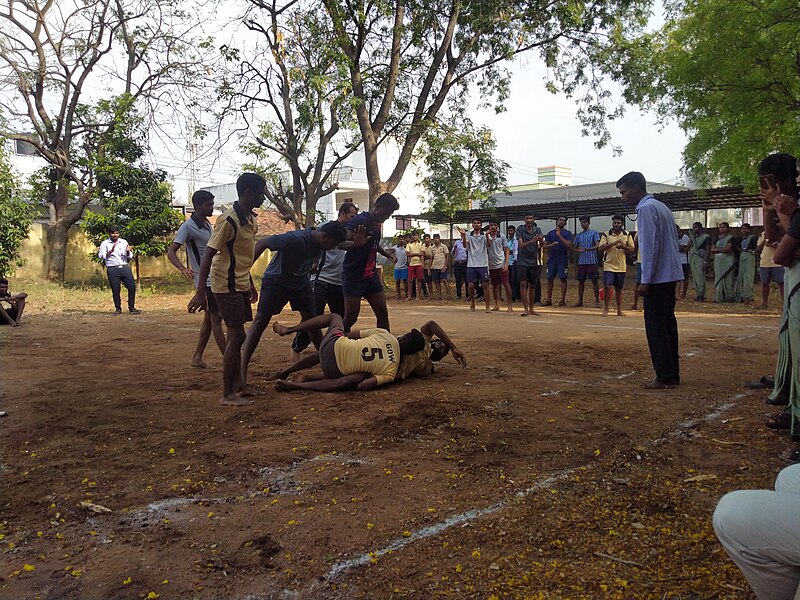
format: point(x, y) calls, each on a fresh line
point(367, 358)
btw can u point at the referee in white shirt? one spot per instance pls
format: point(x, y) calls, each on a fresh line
point(115, 252)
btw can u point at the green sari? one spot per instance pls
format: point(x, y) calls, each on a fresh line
point(747, 271)
point(724, 266)
point(697, 261)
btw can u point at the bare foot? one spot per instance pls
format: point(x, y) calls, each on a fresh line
point(200, 364)
point(524, 314)
point(285, 386)
point(250, 391)
point(488, 310)
point(234, 400)
point(272, 375)
point(533, 313)
point(510, 309)
point(280, 329)
point(496, 308)
point(472, 307)
point(620, 313)
point(605, 312)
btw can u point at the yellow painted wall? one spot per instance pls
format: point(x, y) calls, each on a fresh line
point(80, 267)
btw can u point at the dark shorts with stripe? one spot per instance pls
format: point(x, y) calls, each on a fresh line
point(211, 301)
point(235, 308)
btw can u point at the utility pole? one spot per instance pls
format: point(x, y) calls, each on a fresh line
point(192, 148)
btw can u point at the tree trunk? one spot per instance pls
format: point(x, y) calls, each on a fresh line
point(59, 235)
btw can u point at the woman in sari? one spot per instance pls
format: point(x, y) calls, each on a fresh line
point(747, 266)
point(699, 255)
point(724, 265)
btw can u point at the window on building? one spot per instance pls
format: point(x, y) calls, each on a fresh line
point(23, 148)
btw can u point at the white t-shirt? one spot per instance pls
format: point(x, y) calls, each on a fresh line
point(684, 241)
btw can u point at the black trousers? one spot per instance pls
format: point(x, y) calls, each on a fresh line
point(460, 273)
point(122, 275)
point(661, 328)
point(513, 278)
point(324, 293)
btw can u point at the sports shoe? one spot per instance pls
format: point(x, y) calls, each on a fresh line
point(135, 311)
point(118, 311)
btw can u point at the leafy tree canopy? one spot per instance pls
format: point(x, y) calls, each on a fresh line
point(460, 166)
point(16, 216)
point(729, 73)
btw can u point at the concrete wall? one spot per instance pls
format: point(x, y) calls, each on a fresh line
point(81, 268)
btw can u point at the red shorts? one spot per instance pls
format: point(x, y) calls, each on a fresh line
point(498, 276)
point(415, 272)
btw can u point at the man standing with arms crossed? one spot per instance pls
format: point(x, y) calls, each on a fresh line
point(228, 259)
point(529, 271)
point(194, 234)
point(498, 264)
point(661, 270)
point(587, 243)
point(617, 244)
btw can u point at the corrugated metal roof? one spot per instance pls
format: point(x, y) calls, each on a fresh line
point(683, 200)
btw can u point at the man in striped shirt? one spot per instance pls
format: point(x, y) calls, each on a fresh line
point(586, 243)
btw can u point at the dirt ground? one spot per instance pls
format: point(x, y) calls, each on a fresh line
point(543, 470)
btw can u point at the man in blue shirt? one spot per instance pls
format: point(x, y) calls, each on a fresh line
point(360, 277)
point(586, 243)
point(661, 270)
point(286, 279)
point(558, 242)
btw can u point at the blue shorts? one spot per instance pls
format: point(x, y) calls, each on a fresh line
point(275, 294)
point(556, 270)
point(767, 274)
point(477, 274)
point(362, 288)
point(401, 274)
point(587, 272)
point(616, 280)
point(438, 275)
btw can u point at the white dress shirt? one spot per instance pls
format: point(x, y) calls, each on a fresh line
point(119, 255)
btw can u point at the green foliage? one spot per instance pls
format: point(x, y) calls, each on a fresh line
point(461, 167)
point(728, 73)
point(16, 217)
point(134, 197)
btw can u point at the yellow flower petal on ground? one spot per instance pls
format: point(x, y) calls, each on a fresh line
point(27, 567)
point(127, 581)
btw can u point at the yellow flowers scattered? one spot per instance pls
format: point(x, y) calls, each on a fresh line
point(597, 452)
point(127, 581)
point(370, 525)
point(27, 567)
point(476, 554)
point(211, 515)
point(406, 533)
point(171, 451)
point(152, 595)
point(291, 522)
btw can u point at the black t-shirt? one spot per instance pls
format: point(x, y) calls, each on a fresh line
point(359, 262)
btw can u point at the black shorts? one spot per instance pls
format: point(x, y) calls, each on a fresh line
point(275, 294)
point(528, 273)
point(686, 270)
point(235, 308)
point(12, 312)
point(211, 301)
point(327, 355)
point(362, 288)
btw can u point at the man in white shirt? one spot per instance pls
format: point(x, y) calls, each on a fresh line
point(194, 234)
point(115, 252)
point(477, 261)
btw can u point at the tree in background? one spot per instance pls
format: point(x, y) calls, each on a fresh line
point(729, 74)
point(16, 216)
point(57, 58)
point(406, 59)
point(460, 168)
point(134, 197)
point(293, 95)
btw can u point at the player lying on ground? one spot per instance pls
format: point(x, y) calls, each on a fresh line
point(366, 358)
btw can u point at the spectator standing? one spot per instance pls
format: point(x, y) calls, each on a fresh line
point(558, 242)
point(498, 264)
point(116, 252)
point(745, 278)
point(617, 244)
point(415, 254)
point(587, 243)
point(699, 257)
point(724, 265)
point(459, 254)
point(477, 262)
point(400, 268)
point(683, 248)
point(768, 271)
point(529, 269)
point(439, 254)
point(661, 270)
point(513, 249)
